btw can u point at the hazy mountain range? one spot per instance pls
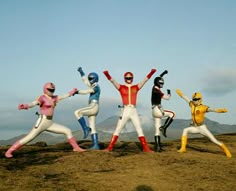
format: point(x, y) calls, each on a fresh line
point(107, 127)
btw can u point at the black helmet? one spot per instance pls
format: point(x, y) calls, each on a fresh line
point(159, 82)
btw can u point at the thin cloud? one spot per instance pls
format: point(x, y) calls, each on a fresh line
point(220, 82)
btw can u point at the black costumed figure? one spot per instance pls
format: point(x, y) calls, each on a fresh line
point(158, 112)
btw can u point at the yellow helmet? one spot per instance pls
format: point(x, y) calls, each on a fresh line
point(197, 96)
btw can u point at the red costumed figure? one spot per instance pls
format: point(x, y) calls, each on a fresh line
point(128, 93)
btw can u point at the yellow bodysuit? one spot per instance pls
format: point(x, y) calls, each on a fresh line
point(198, 113)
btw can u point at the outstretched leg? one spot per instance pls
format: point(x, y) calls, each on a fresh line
point(35, 131)
point(74, 144)
point(12, 149)
point(205, 131)
point(226, 150)
point(112, 143)
point(57, 128)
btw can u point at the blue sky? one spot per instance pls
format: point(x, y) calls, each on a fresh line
point(45, 41)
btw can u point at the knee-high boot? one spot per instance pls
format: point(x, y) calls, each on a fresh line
point(12, 149)
point(74, 144)
point(84, 127)
point(183, 144)
point(144, 144)
point(226, 150)
point(158, 143)
point(167, 123)
point(95, 145)
point(112, 143)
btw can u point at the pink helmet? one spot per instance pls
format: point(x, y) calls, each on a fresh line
point(49, 88)
point(128, 76)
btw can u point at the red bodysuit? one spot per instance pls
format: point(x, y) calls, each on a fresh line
point(129, 94)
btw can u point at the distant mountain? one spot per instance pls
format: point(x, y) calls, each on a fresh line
point(109, 125)
point(106, 128)
point(174, 131)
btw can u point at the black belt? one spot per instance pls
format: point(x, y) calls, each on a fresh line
point(43, 116)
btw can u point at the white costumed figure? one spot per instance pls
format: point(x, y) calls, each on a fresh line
point(129, 93)
point(47, 103)
point(158, 112)
point(92, 109)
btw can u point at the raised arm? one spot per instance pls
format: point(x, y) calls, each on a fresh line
point(113, 81)
point(167, 96)
point(141, 84)
point(178, 91)
point(82, 74)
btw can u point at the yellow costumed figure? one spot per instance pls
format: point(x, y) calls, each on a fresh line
point(198, 111)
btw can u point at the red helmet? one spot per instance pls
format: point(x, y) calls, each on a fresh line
point(128, 76)
point(49, 88)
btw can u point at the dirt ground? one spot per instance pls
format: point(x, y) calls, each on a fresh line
point(127, 168)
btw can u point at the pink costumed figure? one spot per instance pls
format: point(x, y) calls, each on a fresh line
point(47, 102)
point(128, 93)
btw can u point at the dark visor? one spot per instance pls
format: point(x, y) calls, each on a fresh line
point(51, 90)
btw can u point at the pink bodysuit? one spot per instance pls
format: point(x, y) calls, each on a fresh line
point(47, 104)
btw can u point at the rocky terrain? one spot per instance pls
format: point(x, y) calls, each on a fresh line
point(126, 168)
